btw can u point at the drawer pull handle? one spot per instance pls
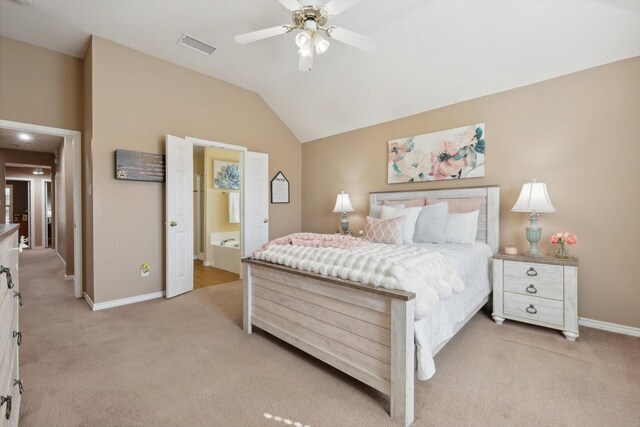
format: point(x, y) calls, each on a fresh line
point(19, 336)
point(19, 296)
point(532, 289)
point(532, 272)
point(531, 309)
point(6, 399)
point(19, 384)
point(7, 271)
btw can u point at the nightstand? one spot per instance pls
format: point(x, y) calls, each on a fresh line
point(541, 290)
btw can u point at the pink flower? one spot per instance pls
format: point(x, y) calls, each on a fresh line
point(570, 239)
point(442, 163)
point(554, 239)
point(397, 151)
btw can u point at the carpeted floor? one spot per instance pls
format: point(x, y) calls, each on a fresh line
point(187, 362)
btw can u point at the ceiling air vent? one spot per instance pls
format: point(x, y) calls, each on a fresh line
point(197, 45)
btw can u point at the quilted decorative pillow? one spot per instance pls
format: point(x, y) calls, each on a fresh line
point(468, 204)
point(408, 203)
point(384, 230)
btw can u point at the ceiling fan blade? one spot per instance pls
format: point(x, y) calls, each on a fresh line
point(262, 34)
point(352, 39)
point(292, 5)
point(306, 62)
point(334, 7)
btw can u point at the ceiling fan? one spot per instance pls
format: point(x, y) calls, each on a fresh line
point(310, 20)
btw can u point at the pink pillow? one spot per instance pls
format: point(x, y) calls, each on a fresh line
point(469, 204)
point(384, 230)
point(409, 203)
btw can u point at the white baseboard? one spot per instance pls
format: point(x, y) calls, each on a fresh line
point(124, 301)
point(201, 256)
point(88, 300)
point(611, 327)
point(206, 263)
point(60, 256)
point(70, 277)
point(39, 247)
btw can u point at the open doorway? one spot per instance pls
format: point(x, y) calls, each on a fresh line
point(49, 159)
point(217, 219)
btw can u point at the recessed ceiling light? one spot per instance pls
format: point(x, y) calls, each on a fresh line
point(25, 137)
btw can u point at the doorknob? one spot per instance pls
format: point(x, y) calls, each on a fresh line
point(265, 220)
point(173, 223)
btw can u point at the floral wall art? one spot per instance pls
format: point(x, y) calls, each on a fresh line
point(226, 175)
point(448, 154)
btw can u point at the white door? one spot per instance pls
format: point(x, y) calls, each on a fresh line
point(179, 220)
point(256, 201)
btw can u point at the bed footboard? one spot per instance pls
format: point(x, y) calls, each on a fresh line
point(364, 331)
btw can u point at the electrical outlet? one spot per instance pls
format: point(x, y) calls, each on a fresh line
point(145, 269)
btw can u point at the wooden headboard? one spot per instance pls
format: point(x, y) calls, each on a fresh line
point(488, 219)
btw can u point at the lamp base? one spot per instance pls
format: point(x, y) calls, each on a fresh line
point(534, 233)
point(344, 224)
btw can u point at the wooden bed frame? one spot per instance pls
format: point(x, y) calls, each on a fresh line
point(364, 331)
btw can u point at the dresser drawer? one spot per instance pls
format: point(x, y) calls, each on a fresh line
point(534, 308)
point(8, 343)
point(515, 270)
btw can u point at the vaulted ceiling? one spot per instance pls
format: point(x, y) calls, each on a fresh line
point(430, 54)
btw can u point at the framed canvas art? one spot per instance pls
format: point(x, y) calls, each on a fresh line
point(448, 154)
point(226, 175)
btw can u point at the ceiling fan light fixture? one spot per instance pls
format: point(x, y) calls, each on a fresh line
point(303, 39)
point(321, 44)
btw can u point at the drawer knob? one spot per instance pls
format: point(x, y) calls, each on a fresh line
point(6, 399)
point(532, 272)
point(531, 289)
point(19, 296)
point(19, 384)
point(18, 335)
point(531, 309)
point(7, 271)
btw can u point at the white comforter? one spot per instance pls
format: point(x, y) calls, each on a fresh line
point(423, 271)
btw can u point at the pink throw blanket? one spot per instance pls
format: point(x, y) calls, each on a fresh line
point(316, 240)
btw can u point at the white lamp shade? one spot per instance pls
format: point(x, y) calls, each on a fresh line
point(533, 198)
point(343, 204)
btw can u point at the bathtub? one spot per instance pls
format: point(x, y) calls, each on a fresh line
point(225, 251)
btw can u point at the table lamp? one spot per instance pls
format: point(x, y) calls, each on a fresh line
point(343, 204)
point(533, 199)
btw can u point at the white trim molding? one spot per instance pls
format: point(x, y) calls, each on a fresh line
point(610, 327)
point(71, 277)
point(124, 301)
point(61, 259)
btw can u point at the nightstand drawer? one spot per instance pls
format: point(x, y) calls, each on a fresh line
point(532, 272)
point(534, 308)
point(538, 288)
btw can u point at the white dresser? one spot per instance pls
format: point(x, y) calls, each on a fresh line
point(541, 290)
point(10, 336)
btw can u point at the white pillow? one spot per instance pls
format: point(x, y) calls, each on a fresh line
point(431, 224)
point(411, 215)
point(462, 227)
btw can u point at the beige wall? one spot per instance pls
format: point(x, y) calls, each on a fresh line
point(39, 86)
point(136, 101)
point(578, 133)
point(42, 87)
point(64, 205)
point(87, 174)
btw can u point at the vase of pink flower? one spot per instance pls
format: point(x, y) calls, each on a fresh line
point(563, 240)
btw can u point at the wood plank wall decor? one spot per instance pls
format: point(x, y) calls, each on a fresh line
point(136, 166)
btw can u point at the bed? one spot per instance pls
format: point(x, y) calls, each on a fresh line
point(365, 331)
